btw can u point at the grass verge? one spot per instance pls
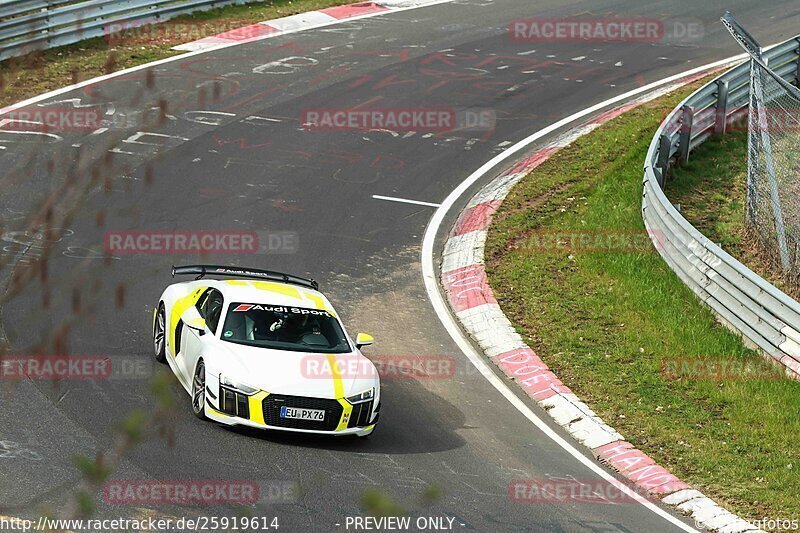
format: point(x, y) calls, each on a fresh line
point(607, 320)
point(712, 190)
point(46, 70)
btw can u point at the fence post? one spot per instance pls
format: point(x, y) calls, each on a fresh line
point(721, 122)
point(686, 133)
point(753, 144)
point(762, 123)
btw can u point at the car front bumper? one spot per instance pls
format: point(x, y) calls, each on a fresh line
point(260, 412)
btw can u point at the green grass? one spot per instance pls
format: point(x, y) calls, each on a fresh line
point(605, 322)
point(711, 190)
point(43, 71)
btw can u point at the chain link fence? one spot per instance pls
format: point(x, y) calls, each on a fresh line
point(766, 317)
point(773, 170)
point(773, 166)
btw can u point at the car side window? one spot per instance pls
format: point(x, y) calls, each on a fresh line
point(210, 307)
point(202, 302)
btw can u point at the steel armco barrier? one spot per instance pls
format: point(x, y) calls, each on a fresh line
point(746, 303)
point(28, 25)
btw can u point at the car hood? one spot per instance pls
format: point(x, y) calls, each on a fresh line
point(296, 373)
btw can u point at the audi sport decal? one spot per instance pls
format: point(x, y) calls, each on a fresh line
point(280, 309)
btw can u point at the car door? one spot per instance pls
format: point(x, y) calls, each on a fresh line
point(194, 339)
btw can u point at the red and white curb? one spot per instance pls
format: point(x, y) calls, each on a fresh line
point(463, 277)
point(303, 21)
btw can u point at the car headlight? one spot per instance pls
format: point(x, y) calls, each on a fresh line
point(236, 386)
point(365, 396)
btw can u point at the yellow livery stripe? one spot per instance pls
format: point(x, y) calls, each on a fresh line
point(338, 386)
point(178, 308)
point(338, 390)
point(347, 411)
point(218, 413)
point(257, 408)
point(277, 288)
point(316, 299)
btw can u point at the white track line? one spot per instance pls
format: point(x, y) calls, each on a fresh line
point(143, 66)
point(453, 328)
point(404, 200)
point(428, 271)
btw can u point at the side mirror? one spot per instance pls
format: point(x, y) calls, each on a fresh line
point(362, 339)
point(191, 317)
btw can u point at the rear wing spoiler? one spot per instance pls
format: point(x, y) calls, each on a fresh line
point(241, 272)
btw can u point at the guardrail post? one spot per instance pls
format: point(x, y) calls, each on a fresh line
point(662, 165)
point(797, 71)
point(686, 133)
point(721, 122)
point(48, 27)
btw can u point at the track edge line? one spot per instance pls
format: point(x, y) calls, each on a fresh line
point(466, 270)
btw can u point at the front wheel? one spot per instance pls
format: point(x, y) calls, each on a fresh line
point(199, 391)
point(159, 335)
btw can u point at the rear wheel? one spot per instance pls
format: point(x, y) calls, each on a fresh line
point(199, 391)
point(159, 335)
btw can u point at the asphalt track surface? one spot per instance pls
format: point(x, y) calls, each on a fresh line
point(229, 171)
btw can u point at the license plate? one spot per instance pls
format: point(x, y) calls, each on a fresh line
point(302, 414)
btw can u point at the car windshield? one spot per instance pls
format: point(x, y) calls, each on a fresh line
point(284, 328)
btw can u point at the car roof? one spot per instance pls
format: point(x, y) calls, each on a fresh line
point(270, 292)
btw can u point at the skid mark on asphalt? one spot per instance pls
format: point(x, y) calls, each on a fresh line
point(14, 450)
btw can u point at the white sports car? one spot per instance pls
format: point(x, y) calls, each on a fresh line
point(266, 350)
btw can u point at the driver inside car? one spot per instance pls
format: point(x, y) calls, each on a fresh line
point(295, 327)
